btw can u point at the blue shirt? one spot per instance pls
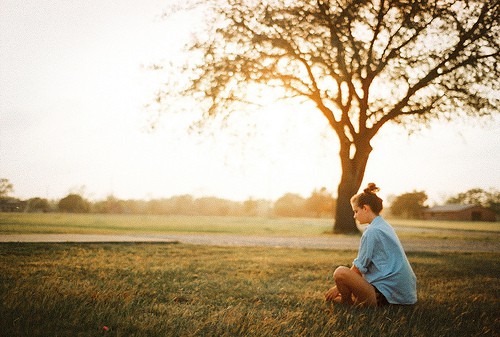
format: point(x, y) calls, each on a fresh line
point(383, 263)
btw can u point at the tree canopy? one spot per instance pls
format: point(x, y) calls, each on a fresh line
point(361, 63)
point(478, 196)
point(5, 187)
point(409, 205)
point(74, 203)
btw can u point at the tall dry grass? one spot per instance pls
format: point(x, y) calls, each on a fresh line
point(182, 290)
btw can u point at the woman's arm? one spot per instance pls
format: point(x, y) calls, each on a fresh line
point(356, 270)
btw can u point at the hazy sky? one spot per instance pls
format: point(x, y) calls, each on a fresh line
point(73, 87)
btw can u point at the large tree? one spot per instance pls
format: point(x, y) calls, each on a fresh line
point(362, 63)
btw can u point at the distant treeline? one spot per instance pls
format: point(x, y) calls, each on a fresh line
point(319, 204)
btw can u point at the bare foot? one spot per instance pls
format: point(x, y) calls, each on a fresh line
point(333, 295)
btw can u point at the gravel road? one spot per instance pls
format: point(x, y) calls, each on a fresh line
point(491, 244)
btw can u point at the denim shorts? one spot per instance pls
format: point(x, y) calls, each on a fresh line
point(381, 300)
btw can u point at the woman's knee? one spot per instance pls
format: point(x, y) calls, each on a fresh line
point(341, 273)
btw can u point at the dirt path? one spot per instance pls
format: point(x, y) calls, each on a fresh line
point(323, 242)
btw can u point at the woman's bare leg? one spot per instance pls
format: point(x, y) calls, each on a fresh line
point(353, 287)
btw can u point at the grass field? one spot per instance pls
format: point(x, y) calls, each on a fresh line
point(181, 290)
point(16, 223)
point(13, 223)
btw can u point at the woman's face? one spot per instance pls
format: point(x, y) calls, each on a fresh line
point(361, 214)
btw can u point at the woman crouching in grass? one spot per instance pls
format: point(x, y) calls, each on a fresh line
point(381, 273)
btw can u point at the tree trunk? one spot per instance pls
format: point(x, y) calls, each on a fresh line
point(344, 220)
point(353, 170)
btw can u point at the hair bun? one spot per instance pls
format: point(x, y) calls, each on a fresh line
point(372, 188)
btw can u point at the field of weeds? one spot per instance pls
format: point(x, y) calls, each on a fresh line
point(145, 289)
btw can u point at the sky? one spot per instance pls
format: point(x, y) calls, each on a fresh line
point(74, 86)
